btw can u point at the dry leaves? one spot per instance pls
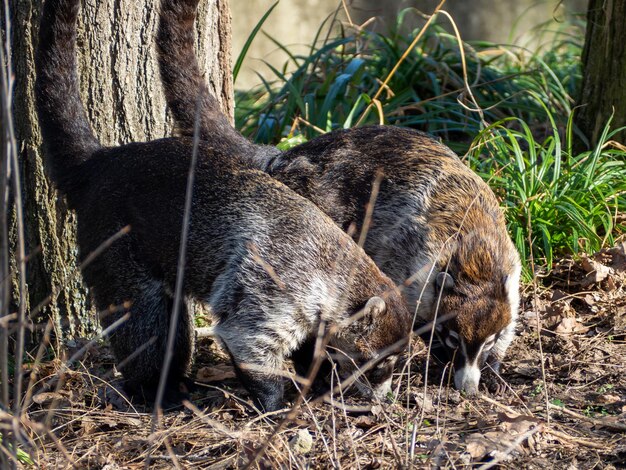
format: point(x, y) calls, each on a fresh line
point(215, 373)
point(596, 272)
point(514, 431)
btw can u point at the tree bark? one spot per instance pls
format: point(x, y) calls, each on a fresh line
point(121, 90)
point(604, 70)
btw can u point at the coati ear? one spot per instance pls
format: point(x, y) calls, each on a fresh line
point(444, 280)
point(374, 307)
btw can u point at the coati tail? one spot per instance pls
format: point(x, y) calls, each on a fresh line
point(67, 135)
point(182, 81)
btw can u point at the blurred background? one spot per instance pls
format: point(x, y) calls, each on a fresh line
point(295, 23)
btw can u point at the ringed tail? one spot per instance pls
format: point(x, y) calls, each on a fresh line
point(67, 136)
point(182, 81)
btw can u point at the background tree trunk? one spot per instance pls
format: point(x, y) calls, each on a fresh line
point(121, 90)
point(604, 69)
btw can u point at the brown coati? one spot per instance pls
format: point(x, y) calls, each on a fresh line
point(270, 265)
point(436, 226)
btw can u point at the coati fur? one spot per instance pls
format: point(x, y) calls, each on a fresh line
point(270, 265)
point(436, 226)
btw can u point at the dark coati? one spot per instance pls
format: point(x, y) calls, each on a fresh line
point(270, 265)
point(435, 225)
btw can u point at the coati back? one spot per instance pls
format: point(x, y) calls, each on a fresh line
point(436, 226)
point(270, 265)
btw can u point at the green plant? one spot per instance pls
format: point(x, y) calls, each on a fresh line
point(21, 455)
point(249, 40)
point(557, 402)
point(332, 86)
point(592, 411)
point(537, 390)
point(556, 202)
point(605, 388)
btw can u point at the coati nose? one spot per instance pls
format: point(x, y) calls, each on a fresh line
point(467, 378)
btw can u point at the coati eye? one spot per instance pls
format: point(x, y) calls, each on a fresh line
point(452, 340)
point(490, 342)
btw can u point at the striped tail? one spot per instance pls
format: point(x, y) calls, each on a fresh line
point(67, 136)
point(182, 81)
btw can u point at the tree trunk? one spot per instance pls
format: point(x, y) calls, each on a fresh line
point(121, 90)
point(604, 70)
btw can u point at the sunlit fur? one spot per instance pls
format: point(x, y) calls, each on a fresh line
point(432, 213)
point(270, 265)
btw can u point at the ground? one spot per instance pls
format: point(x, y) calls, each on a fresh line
point(563, 403)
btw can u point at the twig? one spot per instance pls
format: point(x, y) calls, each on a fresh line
point(577, 440)
point(7, 116)
point(498, 404)
point(211, 422)
point(60, 374)
point(180, 273)
point(369, 209)
point(597, 422)
point(12, 168)
point(538, 323)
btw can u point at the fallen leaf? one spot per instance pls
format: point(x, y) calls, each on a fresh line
point(570, 326)
point(364, 422)
point(608, 399)
point(499, 444)
point(518, 424)
point(215, 373)
point(46, 398)
point(596, 272)
point(558, 294)
point(424, 402)
point(618, 254)
point(376, 410)
point(480, 445)
point(88, 426)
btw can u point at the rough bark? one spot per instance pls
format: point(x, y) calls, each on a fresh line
point(121, 90)
point(604, 70)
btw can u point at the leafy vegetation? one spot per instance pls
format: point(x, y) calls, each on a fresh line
point(331, 87)
point(509, 111)
point(556, 201)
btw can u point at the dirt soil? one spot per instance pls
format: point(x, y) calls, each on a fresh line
point(562, 402)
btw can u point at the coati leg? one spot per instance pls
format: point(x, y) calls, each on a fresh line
point(184, 347)
point(255, 361)
point(139, 344)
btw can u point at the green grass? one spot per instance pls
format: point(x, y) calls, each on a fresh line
point(22, 457)
point(557, 202)
point(331, 87)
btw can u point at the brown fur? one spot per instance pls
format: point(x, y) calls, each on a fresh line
point(241, 221)
point(432, 214)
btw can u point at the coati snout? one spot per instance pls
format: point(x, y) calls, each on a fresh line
point(481, 327)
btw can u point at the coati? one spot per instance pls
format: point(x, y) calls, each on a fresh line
point(436, 226)
point(270, 265)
